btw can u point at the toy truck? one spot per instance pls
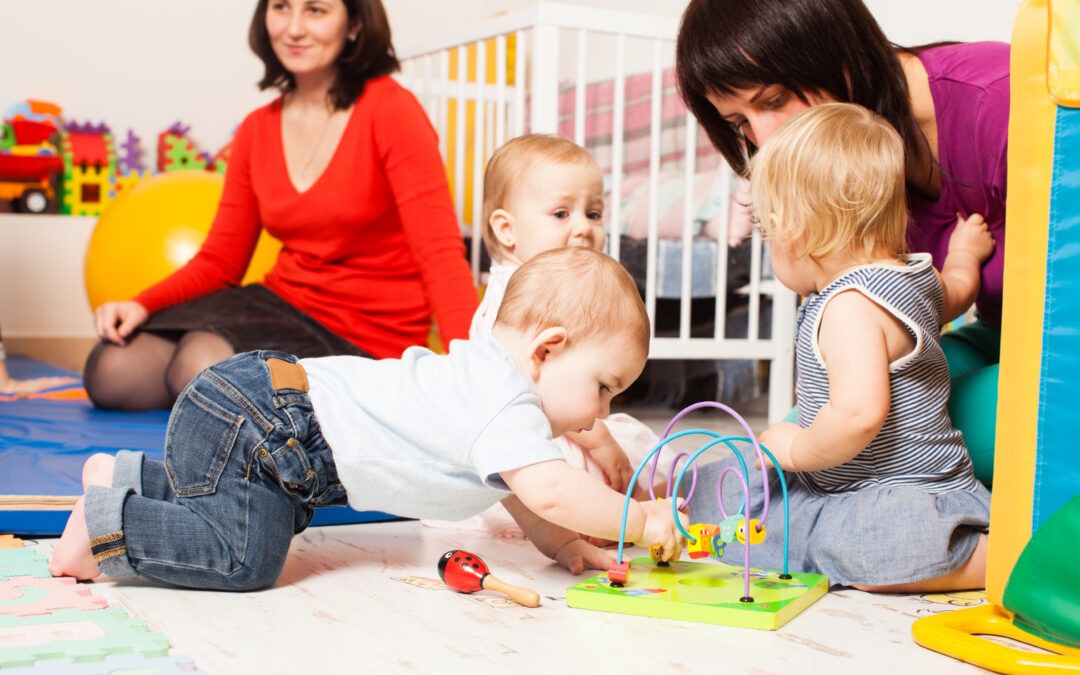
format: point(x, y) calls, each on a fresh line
point(28, 161)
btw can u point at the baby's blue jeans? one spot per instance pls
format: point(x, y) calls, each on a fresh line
point(245, 467)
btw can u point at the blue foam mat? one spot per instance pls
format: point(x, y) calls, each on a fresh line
point(45, 439)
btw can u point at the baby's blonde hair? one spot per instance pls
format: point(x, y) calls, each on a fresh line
point(510, 162)
point(830, 180)
point(583, 290)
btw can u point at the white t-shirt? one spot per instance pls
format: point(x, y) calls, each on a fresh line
point(635, 438)
point(426, 435)
point(484, 318)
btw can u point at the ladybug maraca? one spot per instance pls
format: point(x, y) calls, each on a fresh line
point(466, 573)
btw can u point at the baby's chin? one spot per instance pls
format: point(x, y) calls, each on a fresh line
point(584, 243)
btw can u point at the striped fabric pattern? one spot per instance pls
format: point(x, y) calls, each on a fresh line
point(712, 190)
point(917, 445)
point(637, 118)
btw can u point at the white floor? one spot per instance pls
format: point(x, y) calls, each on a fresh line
point(366, 598)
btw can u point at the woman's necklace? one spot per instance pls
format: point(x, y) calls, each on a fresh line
point(306, 169)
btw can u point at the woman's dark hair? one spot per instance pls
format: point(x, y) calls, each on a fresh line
point(370, 55)
point(831, 46)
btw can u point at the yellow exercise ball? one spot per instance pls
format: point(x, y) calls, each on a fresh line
point(152, 230)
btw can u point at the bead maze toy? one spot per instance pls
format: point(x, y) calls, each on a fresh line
point(707, 592)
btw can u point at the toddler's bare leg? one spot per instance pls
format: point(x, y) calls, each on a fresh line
point(98, 470)
point(72, 556)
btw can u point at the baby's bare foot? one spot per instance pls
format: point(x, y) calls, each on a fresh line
point(98, 470)
point(72, 556)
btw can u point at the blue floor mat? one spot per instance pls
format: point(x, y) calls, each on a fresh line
point(46, 437)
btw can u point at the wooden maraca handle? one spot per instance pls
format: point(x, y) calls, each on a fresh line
point(522, 596)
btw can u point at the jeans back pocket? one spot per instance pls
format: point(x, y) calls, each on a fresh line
point(200, 437)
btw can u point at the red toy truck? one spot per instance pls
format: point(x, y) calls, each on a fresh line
point(28, 161)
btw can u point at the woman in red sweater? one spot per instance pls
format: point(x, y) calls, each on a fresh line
point(344, 170)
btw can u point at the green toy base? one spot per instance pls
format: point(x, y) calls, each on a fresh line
point(706, 592)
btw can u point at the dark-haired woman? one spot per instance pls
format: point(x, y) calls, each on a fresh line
point(344, 169)
point(745, 67)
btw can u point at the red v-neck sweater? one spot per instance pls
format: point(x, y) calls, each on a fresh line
point(371, 250)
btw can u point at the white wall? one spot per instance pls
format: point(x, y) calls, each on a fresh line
point(144, 64)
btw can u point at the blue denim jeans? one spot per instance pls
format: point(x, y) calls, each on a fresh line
point(245, 467)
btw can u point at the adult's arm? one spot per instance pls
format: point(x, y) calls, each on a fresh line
point(224, 256)
point(409, 152)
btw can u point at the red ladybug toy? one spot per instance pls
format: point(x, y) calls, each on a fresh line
point(466, 573)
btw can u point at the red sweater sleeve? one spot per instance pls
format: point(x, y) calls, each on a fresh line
point(409, 151)
point(224, 256)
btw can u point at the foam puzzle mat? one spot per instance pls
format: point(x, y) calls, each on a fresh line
point(46, 437)
point(55, 625)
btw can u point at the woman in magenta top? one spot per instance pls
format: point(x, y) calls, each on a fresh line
point(344, 170)
point(745, 67)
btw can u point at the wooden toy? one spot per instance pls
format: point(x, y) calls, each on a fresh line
point(466, 573)
point(702, 544)
point(705, 591)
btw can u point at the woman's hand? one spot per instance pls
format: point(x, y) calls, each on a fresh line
point(115, 321)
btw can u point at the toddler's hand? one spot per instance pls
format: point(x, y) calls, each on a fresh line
point(778, 439)
point(972, 235)
point(578, 555)
point(609, 456)
point(660, 528)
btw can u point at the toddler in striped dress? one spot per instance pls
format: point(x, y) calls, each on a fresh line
point(882, 492)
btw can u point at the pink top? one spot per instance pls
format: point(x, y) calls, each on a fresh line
point(969, 84)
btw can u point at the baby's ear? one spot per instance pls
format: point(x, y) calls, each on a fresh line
point(543, 346)
point(502, 224)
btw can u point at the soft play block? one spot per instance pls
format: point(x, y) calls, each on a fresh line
point(29, 596)
point(77, 635)
point(46, 437)
point(119, 664)
point(702, 591)
point(23, 562)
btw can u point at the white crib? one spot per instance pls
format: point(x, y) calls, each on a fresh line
point(603, 78)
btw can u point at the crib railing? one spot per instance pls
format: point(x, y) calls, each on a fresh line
point(502, 77)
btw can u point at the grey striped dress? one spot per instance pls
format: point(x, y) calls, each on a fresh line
point(908, 507)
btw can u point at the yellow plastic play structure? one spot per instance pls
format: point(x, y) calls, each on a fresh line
point(1033, 586)
point(463, 111)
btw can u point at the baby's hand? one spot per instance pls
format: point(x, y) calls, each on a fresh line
point(660, 529)
point(778, 439)
point(608, 455)
point(972, 235)
point(578, 555)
